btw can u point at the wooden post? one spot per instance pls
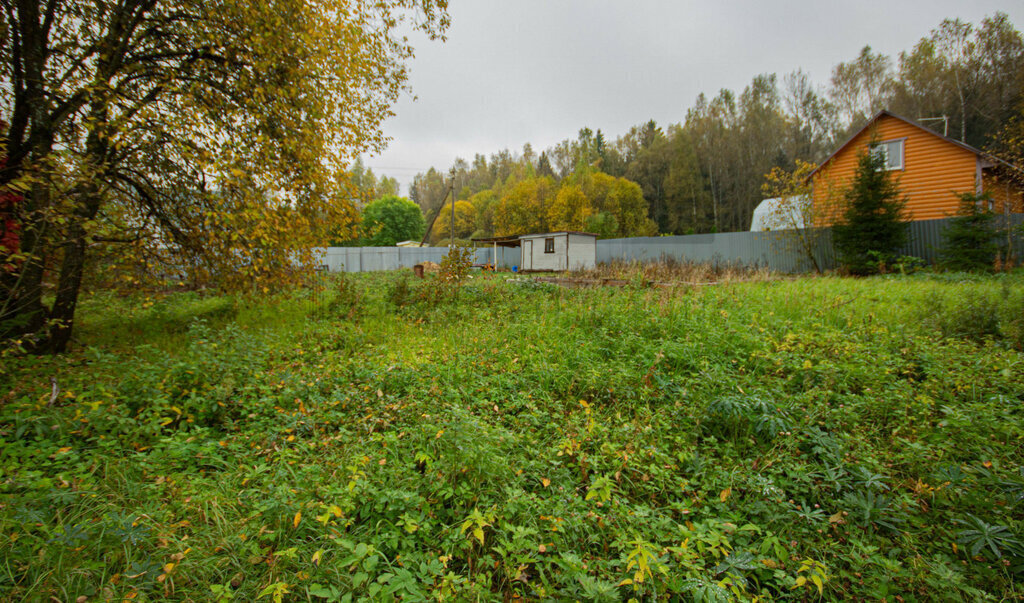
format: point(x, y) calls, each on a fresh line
point(430, 226)
point(451, 233)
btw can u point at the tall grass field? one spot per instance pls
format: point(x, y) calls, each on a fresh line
point(394, 439)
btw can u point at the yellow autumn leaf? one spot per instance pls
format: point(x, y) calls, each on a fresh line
point(298, 518)
point(724, 495)
point(316, 557)
point(335, 509)
point(479, 533)
point(545, 481)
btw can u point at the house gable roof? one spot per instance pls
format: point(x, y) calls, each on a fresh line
point(885, 112)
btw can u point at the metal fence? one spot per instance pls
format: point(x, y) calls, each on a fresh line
point(781, 250)
point(777, 250)
point(368, 259)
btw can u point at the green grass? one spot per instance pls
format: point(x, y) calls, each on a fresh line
point(750, 439)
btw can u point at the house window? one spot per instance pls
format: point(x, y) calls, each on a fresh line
point(892, 152)
point(549, 245)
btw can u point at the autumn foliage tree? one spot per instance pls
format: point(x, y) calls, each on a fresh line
point(465, 221)
point(570, 209)
point(523, 209)
point(205, 138)
point(795, 215)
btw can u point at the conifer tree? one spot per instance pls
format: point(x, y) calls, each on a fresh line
point(970, 239)
point(872, 228)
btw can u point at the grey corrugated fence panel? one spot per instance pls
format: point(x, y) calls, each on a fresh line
point(777, 250)
point(367, 259)
point(926, 237)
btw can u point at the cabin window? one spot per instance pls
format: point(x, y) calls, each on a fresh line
point(549, 245)
point(892, 152)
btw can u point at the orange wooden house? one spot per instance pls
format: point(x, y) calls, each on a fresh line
point(932, 170)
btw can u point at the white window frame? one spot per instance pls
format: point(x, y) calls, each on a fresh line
point(885, 149)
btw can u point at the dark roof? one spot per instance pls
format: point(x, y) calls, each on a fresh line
point(574, 232)
point(506, 241)
point(514, 240)
point(875, 118)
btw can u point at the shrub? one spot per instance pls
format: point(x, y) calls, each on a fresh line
point(970, 243)
point(347, 298)
point(400, 294)
point(453, 273)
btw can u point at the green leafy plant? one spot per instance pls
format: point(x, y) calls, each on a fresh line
point(980, 536)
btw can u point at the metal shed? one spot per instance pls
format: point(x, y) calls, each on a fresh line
point(564, 250)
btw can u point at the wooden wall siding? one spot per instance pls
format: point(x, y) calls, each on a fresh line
point(1007, 197)
point(934, 172)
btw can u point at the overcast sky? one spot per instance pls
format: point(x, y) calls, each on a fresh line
point(537, 71)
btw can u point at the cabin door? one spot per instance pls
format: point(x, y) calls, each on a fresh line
point(527, 263)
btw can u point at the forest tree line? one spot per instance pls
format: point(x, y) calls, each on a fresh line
point(705, 174)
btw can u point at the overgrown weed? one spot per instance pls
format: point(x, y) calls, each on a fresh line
point(787, 439)
point(675, 271)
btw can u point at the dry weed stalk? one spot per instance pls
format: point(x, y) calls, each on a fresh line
point(675, 271)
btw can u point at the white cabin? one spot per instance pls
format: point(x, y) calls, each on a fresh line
point(558, 251)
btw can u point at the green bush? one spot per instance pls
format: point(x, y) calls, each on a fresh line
point(969, 242)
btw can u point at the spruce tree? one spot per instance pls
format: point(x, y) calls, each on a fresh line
point(872, 229)
point(970, 239)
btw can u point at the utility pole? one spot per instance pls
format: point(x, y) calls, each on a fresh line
point(450, 191)
point(451, 233)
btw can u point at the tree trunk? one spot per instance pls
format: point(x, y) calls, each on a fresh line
point(63, 311)
point(89, 198)
point(23, 313)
